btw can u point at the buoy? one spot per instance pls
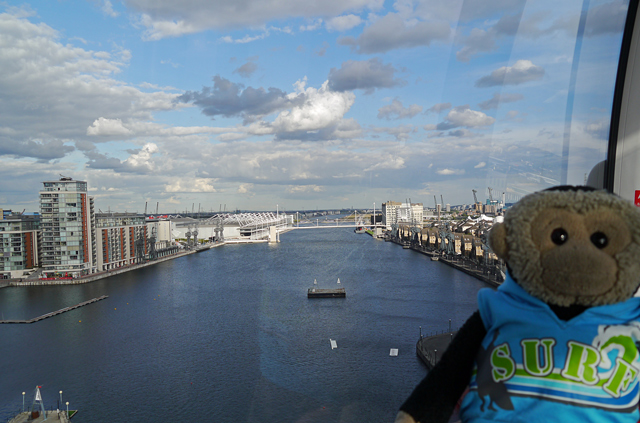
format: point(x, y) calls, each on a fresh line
point(79, 321)
point(115, 308)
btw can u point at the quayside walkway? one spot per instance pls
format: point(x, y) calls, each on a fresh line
point(460, 263)
point(93, 277)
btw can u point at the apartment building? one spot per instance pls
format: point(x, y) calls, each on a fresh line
point(68, 229)
point(19, 251)
point(390, 213)
point(122, 240)
point(408, 213)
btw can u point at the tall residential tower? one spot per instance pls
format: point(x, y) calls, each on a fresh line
point(68, 229)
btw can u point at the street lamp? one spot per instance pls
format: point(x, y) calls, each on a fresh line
point(23, 402)
point(60, 397)
point(67, 409)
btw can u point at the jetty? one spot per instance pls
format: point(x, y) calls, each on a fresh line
point(37, 412)
point(326, 293)
point(55, 313)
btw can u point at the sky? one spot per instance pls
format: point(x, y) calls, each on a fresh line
point(258, 104)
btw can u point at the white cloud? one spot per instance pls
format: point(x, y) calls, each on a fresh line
point(463, 116)
point(190, 185)
point(393, 32)
point(498, 98)
point(388, 163)
point(440, 107)
point(396, 110)
point(522, 71)
point(312, 26)
point(480, 165)
point(245, 39)
point(142, 159)
point(322, 108)
point(102, 126)
point(166, 18)
point(245, 189)
point(69, 89)
point(107, 9)
point(448, 172)
point(304, 189)
point(343, 23)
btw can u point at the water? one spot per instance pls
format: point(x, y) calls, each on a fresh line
point(229, 335)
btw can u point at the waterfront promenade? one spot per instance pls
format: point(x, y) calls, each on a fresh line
point(458, 262)
point(95, 276)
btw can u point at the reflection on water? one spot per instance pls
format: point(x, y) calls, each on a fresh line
point(229, 334)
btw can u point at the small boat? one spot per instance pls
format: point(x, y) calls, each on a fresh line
point(435, 258)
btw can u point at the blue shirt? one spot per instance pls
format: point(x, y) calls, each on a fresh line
point(534, 367)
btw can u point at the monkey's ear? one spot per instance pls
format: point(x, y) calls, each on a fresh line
point(498, 240)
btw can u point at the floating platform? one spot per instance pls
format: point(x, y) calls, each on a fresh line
point(326, 293)
point(55, 313)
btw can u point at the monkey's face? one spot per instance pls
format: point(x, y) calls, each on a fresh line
point(568, 247)
point(578, 251)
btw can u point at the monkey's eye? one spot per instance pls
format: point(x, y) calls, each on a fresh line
point(559, 236)
point(599, 239)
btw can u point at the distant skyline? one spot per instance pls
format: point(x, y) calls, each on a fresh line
point(328, 104)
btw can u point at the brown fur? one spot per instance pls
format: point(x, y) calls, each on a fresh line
point(576, 272)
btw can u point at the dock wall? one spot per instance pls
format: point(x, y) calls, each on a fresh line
point(459, 263)
point(93, 277)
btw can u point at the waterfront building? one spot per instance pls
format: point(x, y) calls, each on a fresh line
point(19, 252)
point(162, 232)
point(235, 227)
point(411, 213)
point(68, 229)
point(390, 213)
point(394, 212)
point(122, 240)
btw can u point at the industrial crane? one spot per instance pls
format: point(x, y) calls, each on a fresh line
point(477, 206)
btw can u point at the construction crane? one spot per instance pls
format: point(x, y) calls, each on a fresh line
point(490, 196)
point(475, 198)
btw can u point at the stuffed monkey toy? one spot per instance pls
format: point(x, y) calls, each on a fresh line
point(558, 340)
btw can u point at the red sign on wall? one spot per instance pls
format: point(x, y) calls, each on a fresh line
point(636, 199)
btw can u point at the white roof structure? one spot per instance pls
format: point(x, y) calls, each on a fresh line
point(247, 220)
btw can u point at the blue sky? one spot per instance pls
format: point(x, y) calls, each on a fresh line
point(301, 104)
